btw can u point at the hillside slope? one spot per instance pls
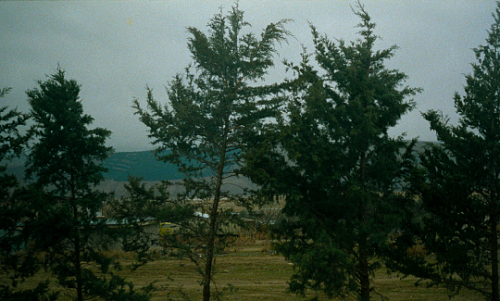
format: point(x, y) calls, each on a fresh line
point(139, 164)
point(144, 165)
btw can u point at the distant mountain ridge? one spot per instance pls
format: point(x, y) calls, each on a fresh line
point(120, 166)
point(141, 164)
point(145, 165)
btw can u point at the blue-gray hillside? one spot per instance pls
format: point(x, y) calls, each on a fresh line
point(120, 166)
point(139, 164)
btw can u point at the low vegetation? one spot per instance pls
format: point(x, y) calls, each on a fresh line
point(249, 271)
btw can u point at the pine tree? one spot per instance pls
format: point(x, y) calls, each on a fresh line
point(11, 144)
point(208, 119)
point(143, 205)
point(458, 185)
point(336, 165)
point(64, 166)
point(15, 266)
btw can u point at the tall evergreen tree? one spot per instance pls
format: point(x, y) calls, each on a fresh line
point(459, 183)
point(143, 205)
point(336, 164)
point(65, 165)
point(15, 266)
point(11, 144)
point(209, 117)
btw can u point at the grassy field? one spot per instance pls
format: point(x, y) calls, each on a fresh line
point(254, 273)
point(257, 274)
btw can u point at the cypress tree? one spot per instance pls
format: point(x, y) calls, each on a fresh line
point(16, 266)
point(335, 164)
point(210, 116)
point(458, 185)
point(64, 166)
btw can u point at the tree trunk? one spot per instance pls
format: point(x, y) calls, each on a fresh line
point(78, 264)
point(363, 264)
point(77, 242)
point(78, 271)
point(494, 258)
point(363, 273)
point(365, 284)
point(494, 235)
point(207, 279)
point(493, 176)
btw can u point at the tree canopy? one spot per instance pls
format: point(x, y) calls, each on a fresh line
point(336, 165)
point(62, 222)
point(458, 184)
point(212, 114)
point(15, 267)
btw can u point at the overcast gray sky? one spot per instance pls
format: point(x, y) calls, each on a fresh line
point(115, 48)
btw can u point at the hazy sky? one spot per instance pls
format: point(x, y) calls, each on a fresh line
point(115, 48)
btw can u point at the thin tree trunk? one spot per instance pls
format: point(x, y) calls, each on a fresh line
point(78, 265)
point(494, 236)
point(363, 264)
point(207, 279)
point(363, 273)
point(78, 260)
point(78, 270)
point(494, 259)
point(493, 176)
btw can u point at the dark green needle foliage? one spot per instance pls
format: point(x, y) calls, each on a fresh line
point(144, 205)
point(16, 266)
point(64, 167)
point(459, 184)
point(212, 113)
point(11, 145)
point(11, 141)
point(335, 164)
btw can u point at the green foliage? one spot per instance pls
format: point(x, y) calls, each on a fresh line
point(144, 206)
point(67, 151)
point(458, 184)
point(12, 142)
point(16, 266)
point(11, 145)
point(334, 162)
point(60, 221)
point(212, 115)
point(39, 293)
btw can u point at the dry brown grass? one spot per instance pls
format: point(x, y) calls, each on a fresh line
point(254, 273)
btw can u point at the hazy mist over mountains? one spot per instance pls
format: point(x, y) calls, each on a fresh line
point(143, 164)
